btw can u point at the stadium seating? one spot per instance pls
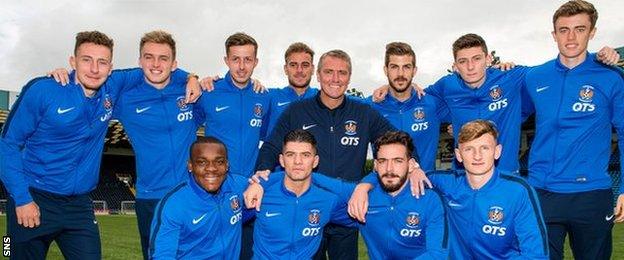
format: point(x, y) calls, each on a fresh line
point(112, 190)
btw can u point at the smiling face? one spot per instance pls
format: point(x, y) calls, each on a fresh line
point(157, 62)
point(333, 76)
point(93, 64)
point(209, 165)
point(572, 34)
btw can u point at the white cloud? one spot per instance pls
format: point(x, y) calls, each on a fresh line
point(38, 36)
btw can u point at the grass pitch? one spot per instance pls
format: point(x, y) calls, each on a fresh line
point(120, 239)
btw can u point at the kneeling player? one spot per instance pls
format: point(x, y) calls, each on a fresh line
point(200, 218)
point(492, 215)
point(399, 226)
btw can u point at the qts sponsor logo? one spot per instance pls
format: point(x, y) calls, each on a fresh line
point(256, 121)
point(108, 108)
point(185, 110)
point(412, 222)
point(496, 215)
point(586, 97)
point(314, 219)
point(350, 139)
point(498, 102)
point(420, 123)
point(236, 209)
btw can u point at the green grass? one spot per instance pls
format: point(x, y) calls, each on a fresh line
point(120, 239)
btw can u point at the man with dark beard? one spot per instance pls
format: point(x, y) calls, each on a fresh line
point(398, 226)
point(420, 117)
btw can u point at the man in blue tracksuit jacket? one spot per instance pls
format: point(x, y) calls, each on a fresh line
point(420, 117)
point(478, 92)
point(50, 153)
point(299, 68)
point(577, 102)
point(492, 215)
point(343, 128)
point(233, 112)
point(418, 227)
point(160, 126)
point(237, 115)
point(201, 217)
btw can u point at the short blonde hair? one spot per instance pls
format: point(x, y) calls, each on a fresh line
point(160, 37)
point(475, 129)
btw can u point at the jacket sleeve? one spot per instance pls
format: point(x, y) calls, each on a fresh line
point(530, 227)
point(22, 122)
point(123, 79)
point(165, 234)
point(341, 188)
point(380, 125)
point(271, 148)
point(436, 230)
point(526, 103)
point(340, 216)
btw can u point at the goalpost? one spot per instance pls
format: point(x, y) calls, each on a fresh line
point(127, 207)
point(100, 207)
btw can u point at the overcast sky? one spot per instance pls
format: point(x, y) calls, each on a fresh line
point(36, 36)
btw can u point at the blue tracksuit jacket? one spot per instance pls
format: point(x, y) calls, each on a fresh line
point(281, 99)
point(54, 136)
point(238, 117)
point(576, 110)
point(498, 100)
point(501, 220)
point(291, 227)
point(420, 118)
point(342, 135)
point(191, 223)
point(161, 128)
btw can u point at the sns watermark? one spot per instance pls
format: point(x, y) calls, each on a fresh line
point(6, 246)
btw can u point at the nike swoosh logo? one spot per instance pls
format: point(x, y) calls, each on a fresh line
point(373, 212)
point(541, 89)
point(279, 104)
point(63, 111)
point(306, 127)
point(268, 215)
point(219, 109)
point(456, 99)
point(195, 221)
point(453, 204)
point(141, 110)
point(608, 218)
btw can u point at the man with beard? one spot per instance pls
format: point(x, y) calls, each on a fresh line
point(492, 215)
point(398, 226)
point(420, 117)
point(343, 129)
point(299, 68)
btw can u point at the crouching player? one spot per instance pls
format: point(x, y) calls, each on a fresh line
point(491, 215)
point(201, 217)
point(294, 211)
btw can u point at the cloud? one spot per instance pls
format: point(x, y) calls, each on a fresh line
point(38, 36)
